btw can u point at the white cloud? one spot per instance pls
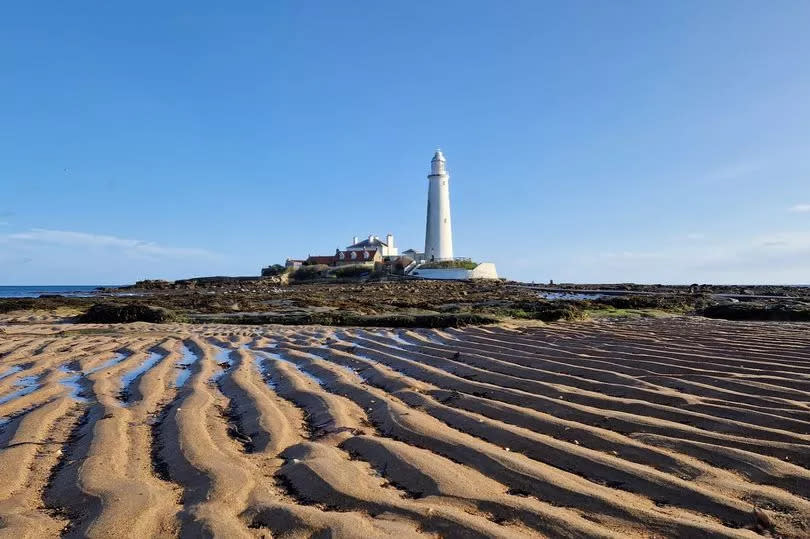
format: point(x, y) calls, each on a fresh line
point(800, 208)
point(83, 240)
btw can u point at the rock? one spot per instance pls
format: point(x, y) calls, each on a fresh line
point(116, 313)
point(758, 311)
point(153, 284)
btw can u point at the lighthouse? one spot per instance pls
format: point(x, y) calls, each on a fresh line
point(438, 231)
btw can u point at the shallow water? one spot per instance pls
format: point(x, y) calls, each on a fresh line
point(260, 365)
point(8, 372)
point(130, 376)
point(570, 295)
point(27, 384)
point(188, 359)
point(72, 382)
point(36, 291)
point(277, 357)
point(396, 337)
point(119, 357)
point(222, 355)
point(434, 339)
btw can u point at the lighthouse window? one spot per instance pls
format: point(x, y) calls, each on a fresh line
point(445, 219)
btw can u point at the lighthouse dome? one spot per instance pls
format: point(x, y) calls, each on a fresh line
point(438, 164)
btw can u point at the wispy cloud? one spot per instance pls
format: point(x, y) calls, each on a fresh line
point(84, 240)
point(777, 257)
point(800, 208)
point(798, 241)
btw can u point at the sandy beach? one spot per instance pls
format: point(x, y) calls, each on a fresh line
point(675, 427)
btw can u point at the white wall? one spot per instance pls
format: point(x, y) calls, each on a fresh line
point(485, 270)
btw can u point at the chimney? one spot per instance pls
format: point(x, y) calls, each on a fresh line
point(355, 240)
point(389, 239)
point(371, 237)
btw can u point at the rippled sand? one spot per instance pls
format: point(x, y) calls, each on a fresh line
point(673, 427)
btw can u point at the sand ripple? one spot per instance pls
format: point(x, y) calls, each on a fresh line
point(676, 427)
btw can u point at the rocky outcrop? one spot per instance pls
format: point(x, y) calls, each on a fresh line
point(116, 313)
point(759, 311)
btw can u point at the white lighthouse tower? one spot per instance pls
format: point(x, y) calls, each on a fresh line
point(438, 232)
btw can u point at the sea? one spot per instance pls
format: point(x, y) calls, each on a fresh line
point(76, 291)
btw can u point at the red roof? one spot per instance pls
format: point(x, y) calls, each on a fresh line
point(328, 260)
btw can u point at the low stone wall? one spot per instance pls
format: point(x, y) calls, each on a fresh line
point(485, 270)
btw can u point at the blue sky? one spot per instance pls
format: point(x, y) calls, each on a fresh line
point(587, 141)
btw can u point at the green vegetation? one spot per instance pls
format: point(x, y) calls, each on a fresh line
point(322, 272)
point(20, 304)
point(274, 270)
point(357, 270)
point(153, 284)
point(362, 295)
point(611, 312)
point(309, 273)
point(680, 303)
point(545, 311)
point(52, 303)
point(450, 264)
point(608, 307)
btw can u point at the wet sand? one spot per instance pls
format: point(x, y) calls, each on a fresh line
point(679, 427)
